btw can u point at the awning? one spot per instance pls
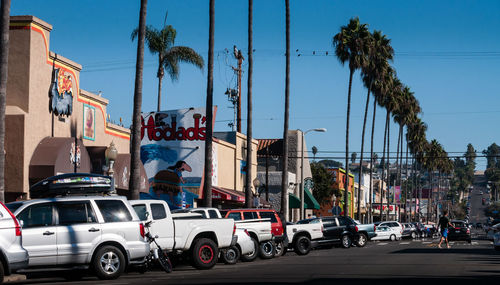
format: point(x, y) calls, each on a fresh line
point(224, 194)
point(293, 201)
point(309, 201)
point(122, 173)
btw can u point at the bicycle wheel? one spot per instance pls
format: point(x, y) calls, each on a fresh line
point(164, 261)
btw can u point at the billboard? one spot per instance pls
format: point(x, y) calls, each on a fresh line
point(173, 153)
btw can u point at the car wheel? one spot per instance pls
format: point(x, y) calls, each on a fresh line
point(393, 237)
point(280, 249)
point(231, 255)
point(469, 241)
point(2, 273)
point(108, 263)
point(346, 241)
point(413, 235)
point(362, 240)
point(204, 253)
point(302, 245)
point(267, 250)
point(252, 255)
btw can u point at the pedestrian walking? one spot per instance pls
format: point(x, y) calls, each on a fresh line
point(444, 222)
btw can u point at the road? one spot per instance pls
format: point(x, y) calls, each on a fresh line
point(477, 208)
point(412, 261)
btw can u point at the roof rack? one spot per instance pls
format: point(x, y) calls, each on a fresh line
point(72, 184)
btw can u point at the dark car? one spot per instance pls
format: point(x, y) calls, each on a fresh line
point(409, 231)
point(459, 231)
point(336, 230)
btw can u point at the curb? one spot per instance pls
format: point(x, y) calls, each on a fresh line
point(14, 278)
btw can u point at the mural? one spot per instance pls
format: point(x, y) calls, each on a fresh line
point(61, 93)
point(173, 151)
point(88, 122)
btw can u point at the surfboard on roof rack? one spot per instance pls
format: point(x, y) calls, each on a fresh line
point(72, 184)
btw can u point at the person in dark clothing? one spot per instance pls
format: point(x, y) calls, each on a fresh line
point(444, 222)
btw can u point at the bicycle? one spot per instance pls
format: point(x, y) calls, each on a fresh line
point(156, 254)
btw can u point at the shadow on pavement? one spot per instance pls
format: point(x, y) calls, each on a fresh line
point(435, 250)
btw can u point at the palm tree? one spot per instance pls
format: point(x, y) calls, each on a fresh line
point(4, 59)
point(284, 173)
point(207, 185)
point(417, 142)
point(380, 52)
point(351, 45)
point(248, 189)
point(162, 42)
point(135, 157)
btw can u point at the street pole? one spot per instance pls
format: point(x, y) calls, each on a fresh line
point(301, 215)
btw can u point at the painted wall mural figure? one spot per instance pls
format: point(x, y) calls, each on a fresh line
point(61, 93)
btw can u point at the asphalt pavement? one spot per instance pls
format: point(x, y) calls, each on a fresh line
point(408, 261)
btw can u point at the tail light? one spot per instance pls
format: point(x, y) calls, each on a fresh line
point(322, 229)
point(468, 231)
point(16, 223)
point(141, 230)
point(234, 228)
point(374, 228)
point(248, 234)
point(356, 228)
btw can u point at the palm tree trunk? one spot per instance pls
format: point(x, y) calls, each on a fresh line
point(388, 163)
point(160, 77)
point(383, 173)
point(248, 189)
point(371, 159)
point(284, 175)
point(397, 168)
point(346, 186)
point(401, 173)
point(408, 217)
point(207, 183)
point(362, 152)
point(135, 159)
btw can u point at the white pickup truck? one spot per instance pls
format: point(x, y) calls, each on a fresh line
point(259, 230)
point(200, 238)
point(303, 237)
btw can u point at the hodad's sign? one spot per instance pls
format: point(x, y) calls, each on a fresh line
point(173, 152)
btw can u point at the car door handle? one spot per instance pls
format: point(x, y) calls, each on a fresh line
point(93, 230)
point(47, 233)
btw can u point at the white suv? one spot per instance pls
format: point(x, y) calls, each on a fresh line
point(12, 254)
point(103, 232)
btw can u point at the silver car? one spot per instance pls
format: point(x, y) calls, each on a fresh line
point(102, 232)
point(12, 254)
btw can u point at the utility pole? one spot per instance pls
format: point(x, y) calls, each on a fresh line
point(237, 54)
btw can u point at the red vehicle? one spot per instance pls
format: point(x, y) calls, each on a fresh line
point(278, 231)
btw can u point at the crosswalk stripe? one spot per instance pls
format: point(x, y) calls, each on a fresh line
point(404, 243)
point(382, 243)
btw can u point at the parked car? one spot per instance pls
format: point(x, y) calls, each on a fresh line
point(387, 233)
point(244, 245)
point(267, 248)
point(336, 230)
point(12, 254)
point(459, 231)
point(303, 237)
point(102, 232)
point(409, 230)
point(192, 235)
point(365, 232)
point(420, 228)
point(391, 224)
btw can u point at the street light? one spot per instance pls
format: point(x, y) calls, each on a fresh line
point(111, 154)
point(302, 212)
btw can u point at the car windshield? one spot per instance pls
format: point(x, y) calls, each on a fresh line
point(14, 206)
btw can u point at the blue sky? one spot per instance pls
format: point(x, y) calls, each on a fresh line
point(447, 52)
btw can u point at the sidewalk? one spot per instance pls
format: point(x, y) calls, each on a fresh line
point(14, 278)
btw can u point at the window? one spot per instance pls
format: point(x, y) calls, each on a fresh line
point(39, 215)
point(329, 223)
point(202, 213)
point(213, 214)
point(268, 215)
point(250, 215)
point(235, 216)
point(75, 212)
point(342, 221)
point(141, 211)
point(158, 211)
point(113, 211)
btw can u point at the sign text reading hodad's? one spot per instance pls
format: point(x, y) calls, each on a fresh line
point(158, 128)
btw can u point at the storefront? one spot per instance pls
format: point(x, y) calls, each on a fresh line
point(53, 126)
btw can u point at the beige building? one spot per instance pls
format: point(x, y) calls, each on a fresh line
point(40, 138)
